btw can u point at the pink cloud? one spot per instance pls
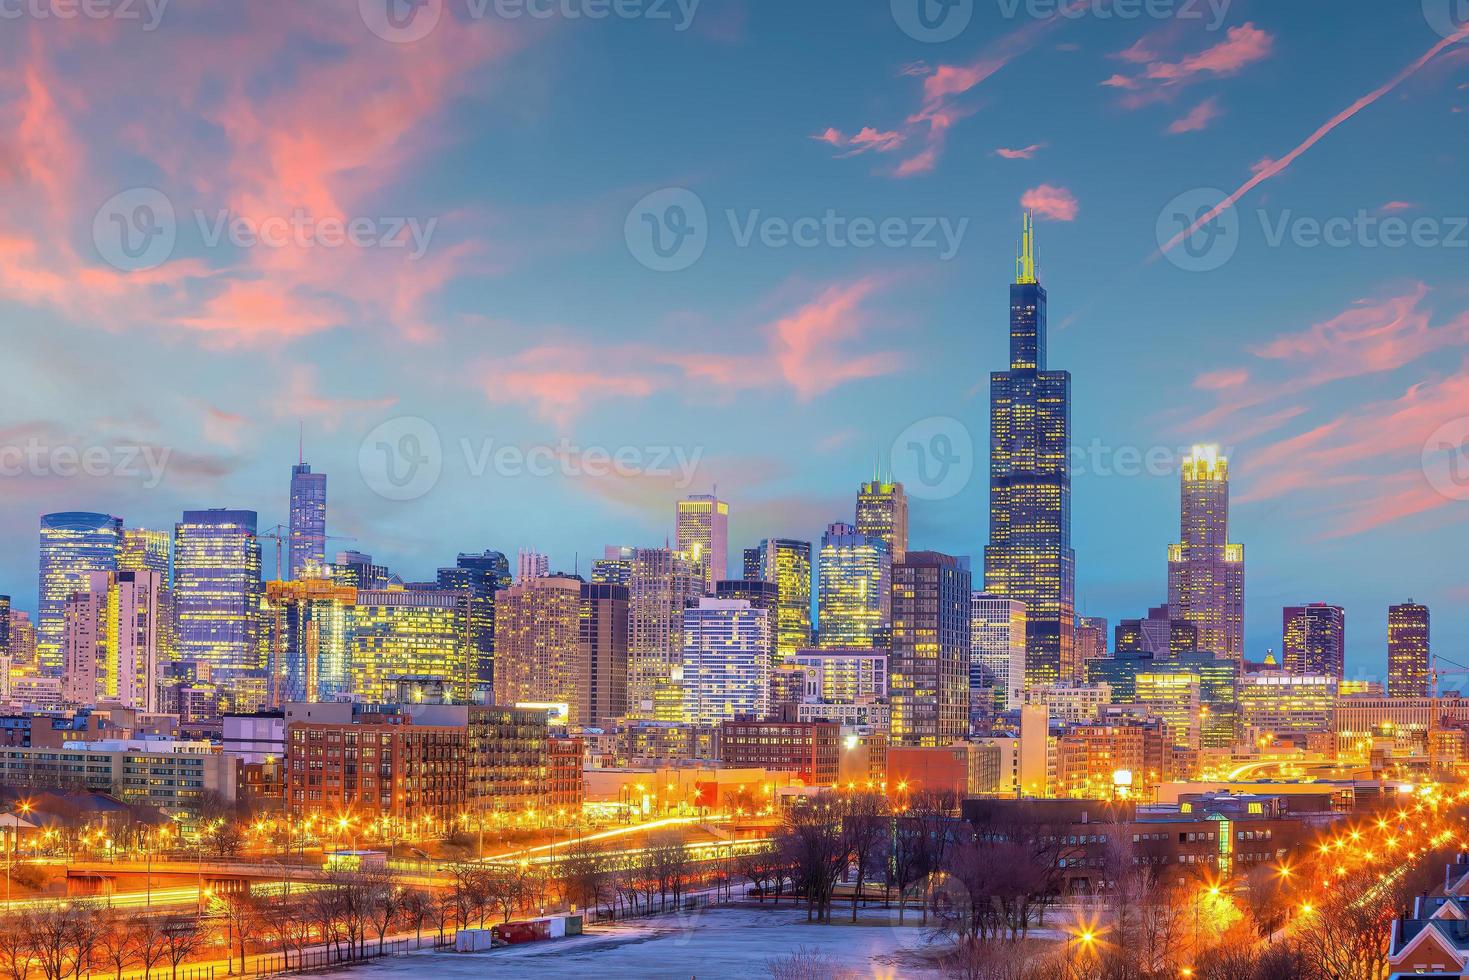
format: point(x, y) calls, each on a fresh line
point(1197, 118)
point(1222, 379)
point(1268, 170)
point(866, 139)
point(1393, 207)
point(1023, 153)
point(1161, 79)
point(1050, 202)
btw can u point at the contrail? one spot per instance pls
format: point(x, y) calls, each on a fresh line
point(1276, 166)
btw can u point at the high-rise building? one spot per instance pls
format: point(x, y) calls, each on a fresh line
point(22, 643)
point(1274, 703)
point(928, 671)
point(1408, 666)
point(1157, 633)
point(854, 590)
point(1313, 639)
point(702, 530)
point(216, 596)
point(725, 670)
point(144, 550)
point(997, 651)
point(882, 512)
point(615, 566)
point(787, 563)
point(308, 629)
point(402, 633)
point(1029, 556)
point(1206, 573)
point(538, 637)
point(753, 564)
point(357, 570)
point(531, 564)
point(114, 642)
point(5, 626)
point(480, 576)
point(760, 594)
point(1175, 697)
point(1091, 637)
point(664, 582)
point(308, 523)
point(73, 545)
point(602, 678)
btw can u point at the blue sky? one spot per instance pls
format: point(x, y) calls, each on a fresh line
point(516, 148)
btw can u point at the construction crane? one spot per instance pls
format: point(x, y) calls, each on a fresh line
point(281, 534)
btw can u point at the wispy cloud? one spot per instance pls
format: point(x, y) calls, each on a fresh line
point(1196, 119)
point(1161, 79)
point(1051, 202)
point(1022, 153)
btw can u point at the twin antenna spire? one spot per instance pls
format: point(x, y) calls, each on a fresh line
point(1025, 264)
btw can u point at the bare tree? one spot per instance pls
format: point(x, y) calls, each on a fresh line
point(865, 835)
point(17, 956)
point(182, 939)
point(810, 838)
point(150, 942)
point(115, 949)
point(242, 913)
point(417, 909)
point(668, 860)
point(384, 899)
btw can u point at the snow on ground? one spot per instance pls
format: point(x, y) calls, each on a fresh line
point(706, 944)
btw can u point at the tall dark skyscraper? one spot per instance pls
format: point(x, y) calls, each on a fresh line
point(1206, 573)
point(1408, 666)
point(308, 523)
point(1029, 555)
point(480, 576)
point(1313, 639)
point(928, 670)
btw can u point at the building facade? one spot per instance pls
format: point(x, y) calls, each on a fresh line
point(308, 523)
point(1029, 555)
point(928, 671)
point(1408, 665)
point(997, 650)
point(603, 626)
point(854, 591)
point(398, 633)
point(216, 594)
point(663, 583)
point(1313, 639)
point(701, 529)
point(73, 545)
point(882, 512)
point(1206, 573)
point(726, 673)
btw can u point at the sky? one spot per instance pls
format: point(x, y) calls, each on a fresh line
point(525, 273)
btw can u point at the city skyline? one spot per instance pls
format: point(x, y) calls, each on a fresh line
point(1287, 355)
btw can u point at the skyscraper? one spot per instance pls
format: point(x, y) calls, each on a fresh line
point(702, 530)
point(1408, 664)
point(882, 512)
point(1206, 574)
point(1091, 637)
point(85, 676)
point(1029, 555)
point(928, 670)
point(402, 633)
point(1313, 639)
point(144, 550)
point(308, 523)
point(760, 594)
point(615, 565)
point(114, 644)
point(5, 627)
point(753, 564)
point(308, 629)
point(537, 637)
point(480, 576)
point(602, 679)
point(787, 563)
point(725, 670)
point(358, 570)
point(997, 650)
point(664, 582)
point(73, 545)
point(1156, 633)
point(216, 595)
point(854, 591)
point(531, 564)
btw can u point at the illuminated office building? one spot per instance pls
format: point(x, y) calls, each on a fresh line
point(1175, 698)
point(928, 671)
point(1219, 679)
point(882, 512)
point(399, 633)
point(725, 674)
point(73, 545)
point(358, 570)
point(702, 531)
point(308, 628)
point(1313, 639)
point(602, 658)
point(1157, 633)
point(22, 640)
point(115, 644)
point(216, 594)
point(537, 641)
point(1071, 703)
point(1029, 555)
point(144, 550)
point(997, 651)
point(664, 582)
point(760, 594)
point(614, 567)
point(752, 565)
point(1274, 703)
point(1408, 664)
point(854, 588)
point(480, 577)
point(1206, 573)
point(531, 564)
point(308, 523)
point(1119, 672)
point(844, 675)
point(5, 626)
point(787, 563)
